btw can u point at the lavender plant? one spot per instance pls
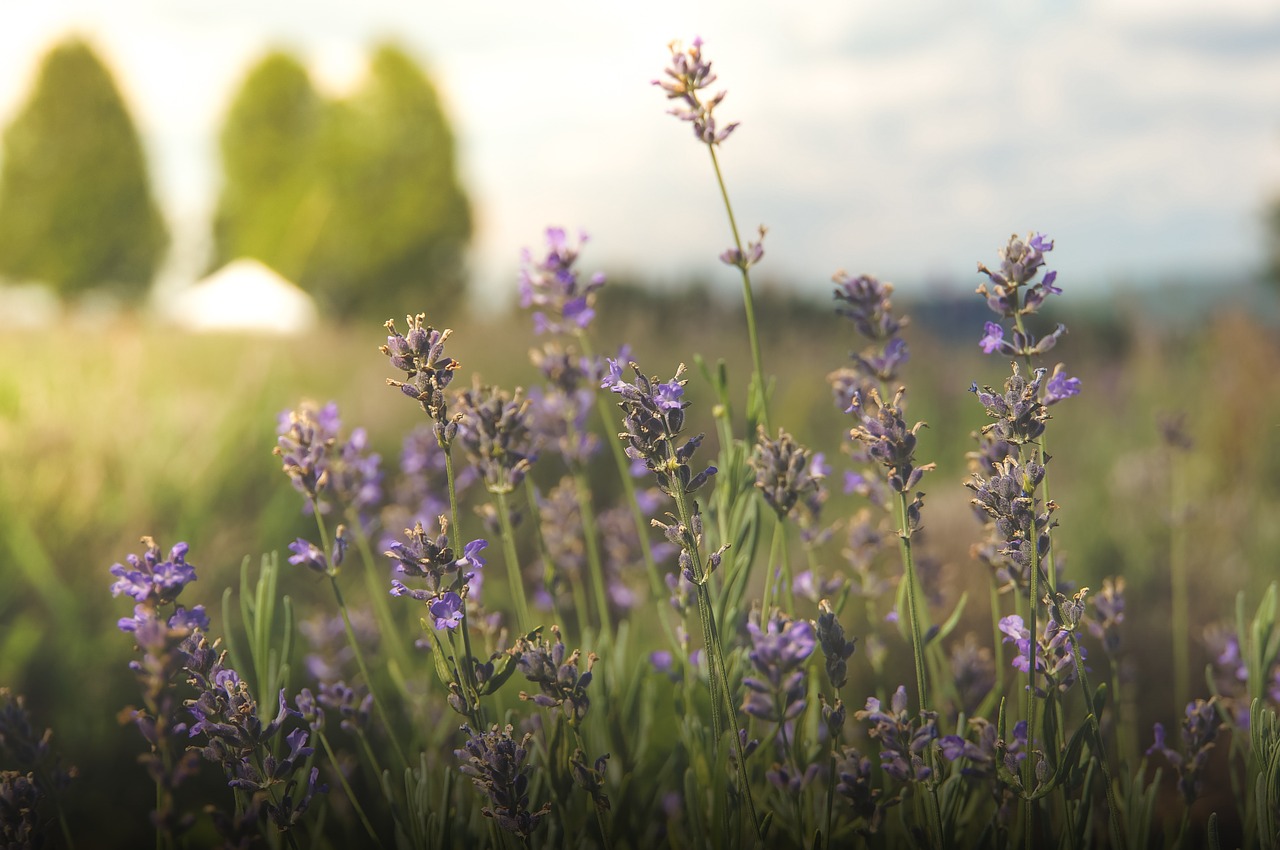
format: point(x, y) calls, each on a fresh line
point(733, 731)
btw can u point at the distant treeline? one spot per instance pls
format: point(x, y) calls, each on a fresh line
point(356, 199)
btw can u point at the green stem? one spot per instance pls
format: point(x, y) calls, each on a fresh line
point(770, 577)
point(917, 650)
point(589, 535)
point(748, 299)
point(719, 679)
point(471, 688)
point(996, 637)
point(788, 589)
point(548, 565)
point(346, 787)
point(1180, 616)
point(514, 578)
point(909, 569)
point(378, 593)
point(364, 671)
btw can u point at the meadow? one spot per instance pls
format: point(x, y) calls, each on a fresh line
point(788, 650)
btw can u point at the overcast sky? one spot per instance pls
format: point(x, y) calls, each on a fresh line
point(906, 139)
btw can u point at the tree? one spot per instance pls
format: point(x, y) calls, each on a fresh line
point(274, 200)
point(76, 209)
point(357, 200)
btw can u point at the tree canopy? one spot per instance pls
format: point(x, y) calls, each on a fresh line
point(76, 209)
point(356, 199)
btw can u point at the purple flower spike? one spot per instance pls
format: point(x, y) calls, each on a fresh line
point(447, 611)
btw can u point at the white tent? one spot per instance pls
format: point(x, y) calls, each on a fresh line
point(246, 296)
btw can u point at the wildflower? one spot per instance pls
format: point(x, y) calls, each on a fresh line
point(495, 761)
point(1008, 499)
point(653, 418)
point(1018, 412)
point(551, 285)
point(778, 655)
point(836, 649)
point(493, 428)
point(1109, 605)
point(889, 441)
point(1199, 730)
point(902, 740)
point(784, 474)
point(856, 787)
point(590, 777)
point(351, 704)
point(322, 466)
point(557, 677)
point(973, 669)
point(689, 73)
point(431, 558)
point(150, 580)
point(1054, 658)
point(420, 355)
point(1020, 262)
point(748, 258)
point(1060, 386)
point(447, 611)
point(865, 301)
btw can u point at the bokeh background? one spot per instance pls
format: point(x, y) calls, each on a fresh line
point(384, 158)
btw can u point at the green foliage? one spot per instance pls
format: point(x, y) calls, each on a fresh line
point(76, 210)
point(357, 200)
point(271, 203)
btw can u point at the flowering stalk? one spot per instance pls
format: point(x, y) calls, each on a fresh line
point(688, 74)
point(428, 372)
point(653, 418)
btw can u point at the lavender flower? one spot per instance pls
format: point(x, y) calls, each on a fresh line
point(1060, 386)
point(431, 558)
point(973, 669)
point(836, 649)
point(889, 441)
point(654, 417)
point(322, 466)
point(556, 676)
point(496, 764)
point(420, 355)
point(1012, 292)
point(779, 651)
point(551, 286)
point(902, 740)
point(1199, 730)
point(1020, 528)
point(1054, 659)
point(748, 258)
point(151, 581)
point(857, 788)
point(865, 301)
point(784, 474)
point(1109, 605)
point(21, 824)
point(493, 428)
point(688, 74)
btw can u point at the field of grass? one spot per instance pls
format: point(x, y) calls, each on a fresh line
point(127, 430)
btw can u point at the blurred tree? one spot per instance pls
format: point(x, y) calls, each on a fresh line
point(76, 210)
point(273, 202)
point(358, 201)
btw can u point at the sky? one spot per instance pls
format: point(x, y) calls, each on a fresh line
point(902, 139)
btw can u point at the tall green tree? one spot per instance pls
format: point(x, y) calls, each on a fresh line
point(274, 199)
point(76, 209)
point(357, 200)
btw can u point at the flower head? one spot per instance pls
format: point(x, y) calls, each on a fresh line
point(551, 286)
point(687, 75)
